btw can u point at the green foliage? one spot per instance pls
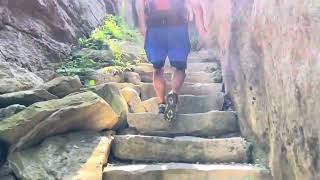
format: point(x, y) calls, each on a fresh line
point(114, 27)
point(107, 36)
point(77, 66)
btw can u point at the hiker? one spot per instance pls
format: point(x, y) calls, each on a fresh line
point(164, 24)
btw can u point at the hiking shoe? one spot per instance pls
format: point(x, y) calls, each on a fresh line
point(171, 109)
point(162, 108)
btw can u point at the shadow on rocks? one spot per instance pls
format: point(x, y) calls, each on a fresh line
point(3, 152)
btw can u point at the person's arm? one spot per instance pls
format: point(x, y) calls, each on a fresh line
point(199, 17)
point(141, 16)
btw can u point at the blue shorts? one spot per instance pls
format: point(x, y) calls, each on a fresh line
point(172, 42)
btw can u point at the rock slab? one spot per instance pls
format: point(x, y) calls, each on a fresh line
point(180, 149)
point(214, 123)
point(78, 156)
point(25, 98)
point(62, 86)
point(174, 171)
point(83, 111)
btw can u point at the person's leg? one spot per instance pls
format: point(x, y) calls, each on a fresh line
point(179, 48)
point(178, 78)
point(159, 84)
point(156, 50)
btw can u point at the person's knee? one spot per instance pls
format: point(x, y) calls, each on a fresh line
point(159, 71)
point(179, 66)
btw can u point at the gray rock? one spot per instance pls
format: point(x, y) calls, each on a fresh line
point(14, 78)
point(182, 149)
point(108, 75)
point(100, 56)
point(217, 76)
point(62, 86)
point(132, 77)
point(47, 75)
point(82, 111)
point(8, 177)
point(80, 155)
point(25, 98)
point(174, 171)
point(11, 110)
point(203, 124)
point(5, 170)
point(35, 42)
point(112, 95)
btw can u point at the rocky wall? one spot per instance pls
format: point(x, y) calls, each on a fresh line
point(270, 55)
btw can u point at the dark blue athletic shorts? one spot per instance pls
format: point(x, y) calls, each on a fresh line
point(172, 42)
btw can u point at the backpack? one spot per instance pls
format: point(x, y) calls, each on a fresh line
point(175, 14)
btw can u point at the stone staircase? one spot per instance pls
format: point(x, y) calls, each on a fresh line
point(202, 144)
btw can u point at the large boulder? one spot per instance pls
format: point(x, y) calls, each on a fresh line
point(14, 78)
point(62, 86)
point(133, 100)
point(112, 95)
point(11, 110)
point(25, 98)
point(80, 156)
point(82, 111)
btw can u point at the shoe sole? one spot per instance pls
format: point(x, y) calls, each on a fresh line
point(171, 109)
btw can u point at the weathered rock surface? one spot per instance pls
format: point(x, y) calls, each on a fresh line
point(133, 100)
point(80, 155)
point(62, 86)
point(47, 75)
point(132, 77)
point(270, 61)
point(11, 110)
point(83, 111)
point(14, 78)
point(174, 171)
point(45, 36)
point(180, 149)
point(108, 75)
point(189, 104)
point(25, 98)
point(112, 95)
point(99, 56)
point(191, 77)
point(147, 90)
point(206, 124)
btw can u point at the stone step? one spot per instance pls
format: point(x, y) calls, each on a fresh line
point(192, 67)
point(197, 89)
point(180, 149)
point(174, 171)
point(189, 104)
point(215, 123)
point(192, 77)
